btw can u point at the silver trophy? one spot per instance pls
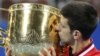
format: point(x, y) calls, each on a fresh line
point(31, 28)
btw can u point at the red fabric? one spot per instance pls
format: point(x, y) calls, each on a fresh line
point(90, 50)
point(63, 51)
point(66, 51)
point(93, 52)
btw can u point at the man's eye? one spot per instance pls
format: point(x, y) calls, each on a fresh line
point(62, 26)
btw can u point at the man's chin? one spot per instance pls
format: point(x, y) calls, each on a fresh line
point(62, 43)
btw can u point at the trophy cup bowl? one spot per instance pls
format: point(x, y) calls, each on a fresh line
point(31, 28)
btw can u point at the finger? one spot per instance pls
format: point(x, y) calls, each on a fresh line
point(40, 54)
point(8, 52)
point(47, 52)
point(6, 48)
point(53, 51)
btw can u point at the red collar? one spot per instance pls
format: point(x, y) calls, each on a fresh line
point(85, 49)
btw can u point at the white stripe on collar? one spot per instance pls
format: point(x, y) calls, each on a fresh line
point(86, 51)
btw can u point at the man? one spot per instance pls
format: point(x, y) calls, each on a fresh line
point(79, 22)
point(75, 29)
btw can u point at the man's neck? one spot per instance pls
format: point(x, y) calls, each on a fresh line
point(79, 45)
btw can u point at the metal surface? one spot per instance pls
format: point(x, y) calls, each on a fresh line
point(31, 25)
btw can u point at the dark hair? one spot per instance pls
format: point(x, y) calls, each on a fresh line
point(82, 16)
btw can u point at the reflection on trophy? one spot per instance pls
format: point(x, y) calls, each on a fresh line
point(31, 28)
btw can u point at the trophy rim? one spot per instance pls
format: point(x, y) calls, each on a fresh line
point(35, 6)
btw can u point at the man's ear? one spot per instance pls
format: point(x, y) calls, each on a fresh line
point(76, 34)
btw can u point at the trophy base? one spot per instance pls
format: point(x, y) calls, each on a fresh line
point(28, 49)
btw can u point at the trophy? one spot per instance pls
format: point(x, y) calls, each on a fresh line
point(31, 28)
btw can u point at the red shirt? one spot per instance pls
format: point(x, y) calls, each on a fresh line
point(89, 50)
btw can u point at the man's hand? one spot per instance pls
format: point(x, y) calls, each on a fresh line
point(8, 51)
point(48, 52)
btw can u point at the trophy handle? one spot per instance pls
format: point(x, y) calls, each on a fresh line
point(3, 33)
point(3, 9)
point(2, 37)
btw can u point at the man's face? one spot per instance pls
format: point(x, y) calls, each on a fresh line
point(64, 31)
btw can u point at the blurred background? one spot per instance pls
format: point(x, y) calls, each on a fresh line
point(56, 3)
